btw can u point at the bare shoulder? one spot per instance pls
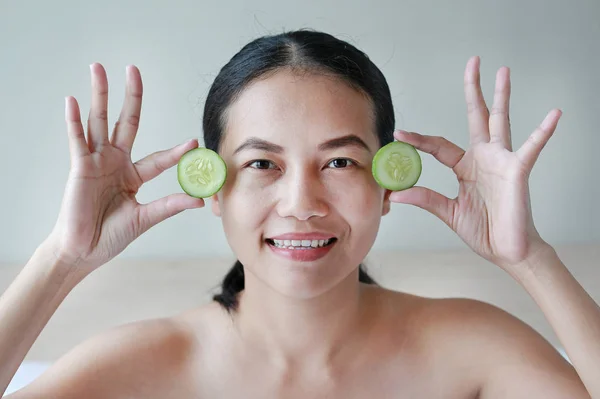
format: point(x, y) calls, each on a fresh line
point(462, 323)
point(138, 359)
point(502, 355)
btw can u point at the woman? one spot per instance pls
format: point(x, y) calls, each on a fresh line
point(298, 117)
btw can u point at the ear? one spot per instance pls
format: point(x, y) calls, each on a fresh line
point(386, 203)
point(216, 207)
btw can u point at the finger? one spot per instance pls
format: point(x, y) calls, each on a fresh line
point(443, 150)
point(499, 118)
point(161, 209)
point(531, 149)
point(432, 201)
point(127, 126)
point(154, 164)
point(77, 145)
point(477, 112)
point(98, 117)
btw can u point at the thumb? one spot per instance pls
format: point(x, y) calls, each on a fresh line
point(158, 210)
point(432, 201)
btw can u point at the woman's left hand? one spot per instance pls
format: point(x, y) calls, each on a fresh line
point(492, 212)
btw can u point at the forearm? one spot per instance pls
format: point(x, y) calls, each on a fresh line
point(28, 304)
point(571, 312)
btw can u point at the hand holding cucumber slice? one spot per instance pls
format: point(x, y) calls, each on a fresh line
point(201, 172)
point(397, 166)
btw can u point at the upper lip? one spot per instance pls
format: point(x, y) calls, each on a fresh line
point(303, 236)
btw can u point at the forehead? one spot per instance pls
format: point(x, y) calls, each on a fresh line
point(287, 106)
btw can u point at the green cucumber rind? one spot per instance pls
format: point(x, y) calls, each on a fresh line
point(215, 187)
point(376, 168)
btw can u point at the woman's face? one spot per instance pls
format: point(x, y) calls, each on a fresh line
point(298, 151)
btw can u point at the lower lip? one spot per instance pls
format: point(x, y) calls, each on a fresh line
point(302, 255)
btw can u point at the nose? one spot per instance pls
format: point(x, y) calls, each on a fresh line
point(302, 195)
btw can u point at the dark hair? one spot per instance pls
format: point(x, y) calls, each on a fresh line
point(301, 51)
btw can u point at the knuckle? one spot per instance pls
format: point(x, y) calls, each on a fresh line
point(133, 120)
point(137, 94)
point(473, 106)
point(158, 161)
point(441, 142)
point(101, 114)
point(76, 132)
point(157, 164)
point(533, 138)
point(101, 89)
point(436, 145)
point(498, 110)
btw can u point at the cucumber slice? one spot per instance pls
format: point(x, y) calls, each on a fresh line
point(397, 166)
point(201, 172)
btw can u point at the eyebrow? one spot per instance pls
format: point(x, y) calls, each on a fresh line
point(350, 140)
point(255, 143)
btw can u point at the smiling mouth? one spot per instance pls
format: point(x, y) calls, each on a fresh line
point(301, 244)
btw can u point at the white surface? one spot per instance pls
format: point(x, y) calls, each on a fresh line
point(27, 372)
point(564, 354)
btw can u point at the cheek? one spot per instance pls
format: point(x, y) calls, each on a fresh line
point(359, 202)
point(357, 197)
point(244, 204)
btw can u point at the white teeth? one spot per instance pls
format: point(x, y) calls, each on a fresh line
point(300, 244)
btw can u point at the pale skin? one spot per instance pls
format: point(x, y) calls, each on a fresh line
point(298, 334)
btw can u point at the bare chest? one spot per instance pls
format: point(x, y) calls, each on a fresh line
point(382, 380)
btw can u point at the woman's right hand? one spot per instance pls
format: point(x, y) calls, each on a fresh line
point(100, 215)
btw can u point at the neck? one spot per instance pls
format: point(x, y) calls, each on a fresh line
point(298, 330)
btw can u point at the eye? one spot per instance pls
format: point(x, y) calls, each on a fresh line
point(262, 164)
point(340, 163)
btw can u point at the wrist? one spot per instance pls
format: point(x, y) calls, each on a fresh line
point(58, 261)
point(54, 245)
point(542, 259)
